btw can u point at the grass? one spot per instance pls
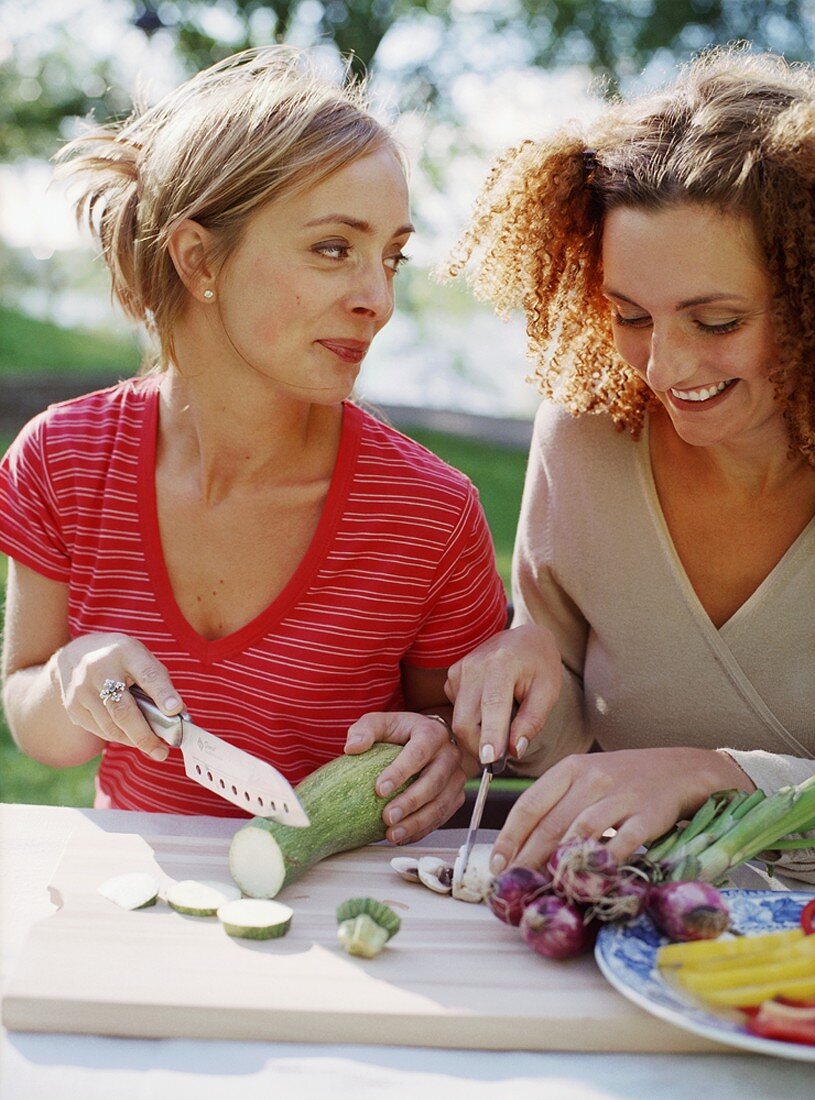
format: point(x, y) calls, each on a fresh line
point(498, 473)
point(28, 344)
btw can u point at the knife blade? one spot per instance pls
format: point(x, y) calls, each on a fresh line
point(235, 775)
point(478, 807)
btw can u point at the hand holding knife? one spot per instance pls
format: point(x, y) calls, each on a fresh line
point(489, 771)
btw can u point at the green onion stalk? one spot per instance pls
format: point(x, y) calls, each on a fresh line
point(732, 827)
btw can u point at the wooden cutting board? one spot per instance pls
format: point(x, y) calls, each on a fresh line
point(454, 976)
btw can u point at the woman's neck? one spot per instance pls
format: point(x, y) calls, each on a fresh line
point(751, 468)
point(232, 437)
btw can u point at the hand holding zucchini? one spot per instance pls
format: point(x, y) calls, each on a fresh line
point(429, 757)
point(345, 812)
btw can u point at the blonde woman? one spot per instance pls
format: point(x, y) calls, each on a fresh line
point(230, 532)
point(664, 571)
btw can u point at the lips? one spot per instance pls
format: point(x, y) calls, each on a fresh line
point(703, 396)
point(350, 351)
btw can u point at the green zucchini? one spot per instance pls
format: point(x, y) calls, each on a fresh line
point(254, 919)
point(196, 898)
point(344, 810)
point(365, 926)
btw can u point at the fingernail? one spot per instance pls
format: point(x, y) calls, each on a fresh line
point(353, 740)
point(160, 753)
point(395, 815)
point(497, 863)
point(385, 788)
point(398, 836)
point(487, 754)
point(521, 747)
point(172, 702)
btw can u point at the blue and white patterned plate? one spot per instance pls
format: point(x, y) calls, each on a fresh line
point(626, 955)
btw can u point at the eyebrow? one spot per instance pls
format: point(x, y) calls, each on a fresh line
point(702, 300)
point(355, 223)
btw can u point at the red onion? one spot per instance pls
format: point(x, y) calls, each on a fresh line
point(583, 871)
point(628, 898)
point(557, 929)
point(688, 910)
point(510, 892)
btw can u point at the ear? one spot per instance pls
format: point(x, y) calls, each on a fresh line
point(190, 247)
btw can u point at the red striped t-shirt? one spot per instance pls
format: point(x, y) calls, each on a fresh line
point(400, 570)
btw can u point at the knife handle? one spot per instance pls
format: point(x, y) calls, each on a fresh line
point(497, 766)
point(169, 728)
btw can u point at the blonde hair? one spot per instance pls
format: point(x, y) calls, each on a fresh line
point(257, 126)
point(735, 131)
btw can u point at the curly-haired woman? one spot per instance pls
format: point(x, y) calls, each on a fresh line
point(664, 573)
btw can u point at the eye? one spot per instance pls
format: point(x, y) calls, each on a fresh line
point(726, 326)
point(333, 250)
point(630, 322)
point(397, 261)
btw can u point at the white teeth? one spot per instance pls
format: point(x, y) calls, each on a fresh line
point(701, 395)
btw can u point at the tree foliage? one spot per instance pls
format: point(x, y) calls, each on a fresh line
point(614, 39)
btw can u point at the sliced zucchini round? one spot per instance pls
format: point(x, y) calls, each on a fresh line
point(131, 891)
point(255, 918)
point(200, 899)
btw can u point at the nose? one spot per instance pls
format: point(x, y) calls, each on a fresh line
point(371, 293)
point(670, 361)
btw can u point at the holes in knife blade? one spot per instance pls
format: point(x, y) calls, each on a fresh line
point(223, 785)
point(234, 789)
point(198, 769)
point(247, 796)
point(209, 777)
point(285, 808)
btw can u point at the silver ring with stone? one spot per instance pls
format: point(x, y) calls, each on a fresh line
point(112, 689)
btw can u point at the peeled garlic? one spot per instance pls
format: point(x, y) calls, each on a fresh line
point(472, 883)
point(406, 868)
point(436, 874)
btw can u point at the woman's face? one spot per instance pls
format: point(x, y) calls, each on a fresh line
point(311, 282)
point(691, 302)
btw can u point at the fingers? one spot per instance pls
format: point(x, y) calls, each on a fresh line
point(391, 727)
point(428, 755)
point(430, 800)
point(533, 712)
point(122, 721)
point(533, 829)
point(87, 663)
point(425, 740)
point(522, 665)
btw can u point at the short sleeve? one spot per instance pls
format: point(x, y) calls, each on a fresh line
point(31, 527)
point(467, 603)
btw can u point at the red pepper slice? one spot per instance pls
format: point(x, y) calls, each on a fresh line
point(808, 918)
point(784, 1022)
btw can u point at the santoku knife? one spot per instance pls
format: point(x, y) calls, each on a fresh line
point(235, 775)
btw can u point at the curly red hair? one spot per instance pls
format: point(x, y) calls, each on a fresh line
point(735, 131)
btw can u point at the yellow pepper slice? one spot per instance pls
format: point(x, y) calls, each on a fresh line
point(744, 996)
point(775, 968)
point(705, 952)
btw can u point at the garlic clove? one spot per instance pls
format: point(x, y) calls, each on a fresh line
point(436, 874)
point(471, 884)
point(406, 868)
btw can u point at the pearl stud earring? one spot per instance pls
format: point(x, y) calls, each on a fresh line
point(209, 295)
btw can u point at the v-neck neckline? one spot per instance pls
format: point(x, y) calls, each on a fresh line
point(669, 546)
point(205, 649)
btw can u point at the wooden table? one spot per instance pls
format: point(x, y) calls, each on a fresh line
point(49, 1065)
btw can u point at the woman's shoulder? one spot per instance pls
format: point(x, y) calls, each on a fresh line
point(588, 441)
point(403, 462)
point(90, 418)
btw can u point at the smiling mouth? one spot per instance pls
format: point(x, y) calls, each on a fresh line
point(704, 393)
